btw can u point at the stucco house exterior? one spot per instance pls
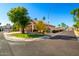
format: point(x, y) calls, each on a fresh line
point(31, 27)
point(7, 28)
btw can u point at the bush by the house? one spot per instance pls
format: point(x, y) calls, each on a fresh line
point(0, 29)
point(55, 31)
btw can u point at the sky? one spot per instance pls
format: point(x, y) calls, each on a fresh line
point(55, 13)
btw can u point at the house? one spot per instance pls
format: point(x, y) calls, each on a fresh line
point(31, 27)
point(50, 27)
point(7, 28)
point(69, 29)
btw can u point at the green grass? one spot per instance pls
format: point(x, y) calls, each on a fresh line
point(19, 35)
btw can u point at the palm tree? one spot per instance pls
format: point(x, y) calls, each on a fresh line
point(59, 25)
point(35, 19)
point(44, 18)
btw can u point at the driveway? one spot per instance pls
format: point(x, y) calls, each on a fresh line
point(40, 48)
point(65, 35)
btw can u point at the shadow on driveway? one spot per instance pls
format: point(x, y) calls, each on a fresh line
point(64, 37)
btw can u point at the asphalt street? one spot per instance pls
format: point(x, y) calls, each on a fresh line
point(67, 45)
point(65, 35)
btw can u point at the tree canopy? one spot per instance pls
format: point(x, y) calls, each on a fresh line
point(20, 16)
point(75, 14)
point(63, 25)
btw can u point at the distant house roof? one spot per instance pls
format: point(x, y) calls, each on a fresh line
point(34, 21)
point(48, 25)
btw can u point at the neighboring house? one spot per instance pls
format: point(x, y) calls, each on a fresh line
point(50, 27)
point(59, 28)
point(7, 28)
point(31, 27)
point(69, 29)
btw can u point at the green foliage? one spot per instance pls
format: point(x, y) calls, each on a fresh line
point(63, 25)
point(47, 30)
point(15, 27)
point(76, 24)
point(26, 35)
point(75, 13)
point(19, 15)
point(59, 25)
point(75, 19)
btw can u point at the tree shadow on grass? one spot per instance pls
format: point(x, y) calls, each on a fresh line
point(63, 37)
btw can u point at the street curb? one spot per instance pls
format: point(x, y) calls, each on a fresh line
point(12, 38)
point(77, 36)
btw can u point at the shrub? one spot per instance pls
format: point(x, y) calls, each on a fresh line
point(47, 31)
point(60, 30)
point(0, 29)
point(35, 30)
point(55, 31)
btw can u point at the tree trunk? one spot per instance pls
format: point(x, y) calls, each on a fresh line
point(22, 30)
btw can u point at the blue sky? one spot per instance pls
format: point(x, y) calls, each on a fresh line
point(55, 13)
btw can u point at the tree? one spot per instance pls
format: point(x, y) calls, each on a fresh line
point(75, 14)
point(15, 27)
point(59, 25)
point(41, 27)
point(35, 19)
point(63, 25)
point(20, 16)
point(74, 19)
point(76, 25)
point(44, 18)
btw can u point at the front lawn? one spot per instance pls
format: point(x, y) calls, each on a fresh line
point(19, 35)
